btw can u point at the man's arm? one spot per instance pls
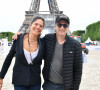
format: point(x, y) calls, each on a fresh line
point(15, 36)
point(77, 69)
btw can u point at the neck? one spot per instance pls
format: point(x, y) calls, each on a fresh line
point(33, 37)
point(61, 39)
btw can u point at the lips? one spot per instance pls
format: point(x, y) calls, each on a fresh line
point(62, 30)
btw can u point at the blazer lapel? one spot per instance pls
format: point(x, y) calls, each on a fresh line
point(39, 52)
point(21, 49)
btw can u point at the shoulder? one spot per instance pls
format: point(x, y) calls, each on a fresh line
point(50, 38)
point(49, 35)
point(21, 36)
point(41, 41)
point(19, 39)
point(73, 41)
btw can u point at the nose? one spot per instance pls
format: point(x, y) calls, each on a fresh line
point(62, 27)
point(38, 26)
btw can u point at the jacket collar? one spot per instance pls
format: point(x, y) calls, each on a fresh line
point(67, 38)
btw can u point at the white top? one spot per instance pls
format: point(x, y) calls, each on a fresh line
point(28, 57)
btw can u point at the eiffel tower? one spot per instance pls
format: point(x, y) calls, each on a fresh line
point(49, 18)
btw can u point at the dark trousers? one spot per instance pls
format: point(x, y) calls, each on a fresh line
point(48, 85)
point(30, 87)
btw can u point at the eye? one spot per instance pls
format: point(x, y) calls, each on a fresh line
point(36, 24)
point(41, 26)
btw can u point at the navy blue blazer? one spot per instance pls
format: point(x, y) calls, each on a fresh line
point(23, 73)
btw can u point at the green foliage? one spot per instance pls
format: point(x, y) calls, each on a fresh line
point(93, 31)
point(6, 34)
point(79, 32)
point(84, 37)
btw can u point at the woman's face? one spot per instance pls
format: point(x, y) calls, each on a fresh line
point(37, 27)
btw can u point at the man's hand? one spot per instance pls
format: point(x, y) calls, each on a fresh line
point(16, 35)
point(1, 82)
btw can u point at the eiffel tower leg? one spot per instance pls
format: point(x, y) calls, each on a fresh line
point(38, 5)
point(35, 5)
point(53, 7)
point(50, 8)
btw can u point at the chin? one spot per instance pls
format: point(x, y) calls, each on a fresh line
point(37, 34)
point(62, 34)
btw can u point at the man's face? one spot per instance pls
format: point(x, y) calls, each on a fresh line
point(62, 28)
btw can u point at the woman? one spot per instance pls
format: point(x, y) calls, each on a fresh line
point(29, 50)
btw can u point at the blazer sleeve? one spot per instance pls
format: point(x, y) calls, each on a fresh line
point(8, 60)
point(77, 69)
point(43, 44)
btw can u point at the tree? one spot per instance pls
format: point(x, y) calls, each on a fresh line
point(93, 31)
point(79, 32)
point(6, 34)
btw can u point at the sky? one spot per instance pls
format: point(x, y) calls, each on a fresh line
point(81, 13)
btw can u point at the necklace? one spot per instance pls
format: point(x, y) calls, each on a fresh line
point(32, 40)
point(30, 48)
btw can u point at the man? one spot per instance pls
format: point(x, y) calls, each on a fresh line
point(63, 59)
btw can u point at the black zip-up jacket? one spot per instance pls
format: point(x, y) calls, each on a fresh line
point(23, 73)
point(72, 61)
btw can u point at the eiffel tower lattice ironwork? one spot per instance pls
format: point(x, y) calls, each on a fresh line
point(49, 18)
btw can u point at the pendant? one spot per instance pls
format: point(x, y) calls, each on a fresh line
point(31, 62)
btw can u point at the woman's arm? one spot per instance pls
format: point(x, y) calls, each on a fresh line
point(8, 60)
point(1, 82)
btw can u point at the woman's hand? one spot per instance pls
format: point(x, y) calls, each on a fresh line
point(1, 82)
point(16, 35)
